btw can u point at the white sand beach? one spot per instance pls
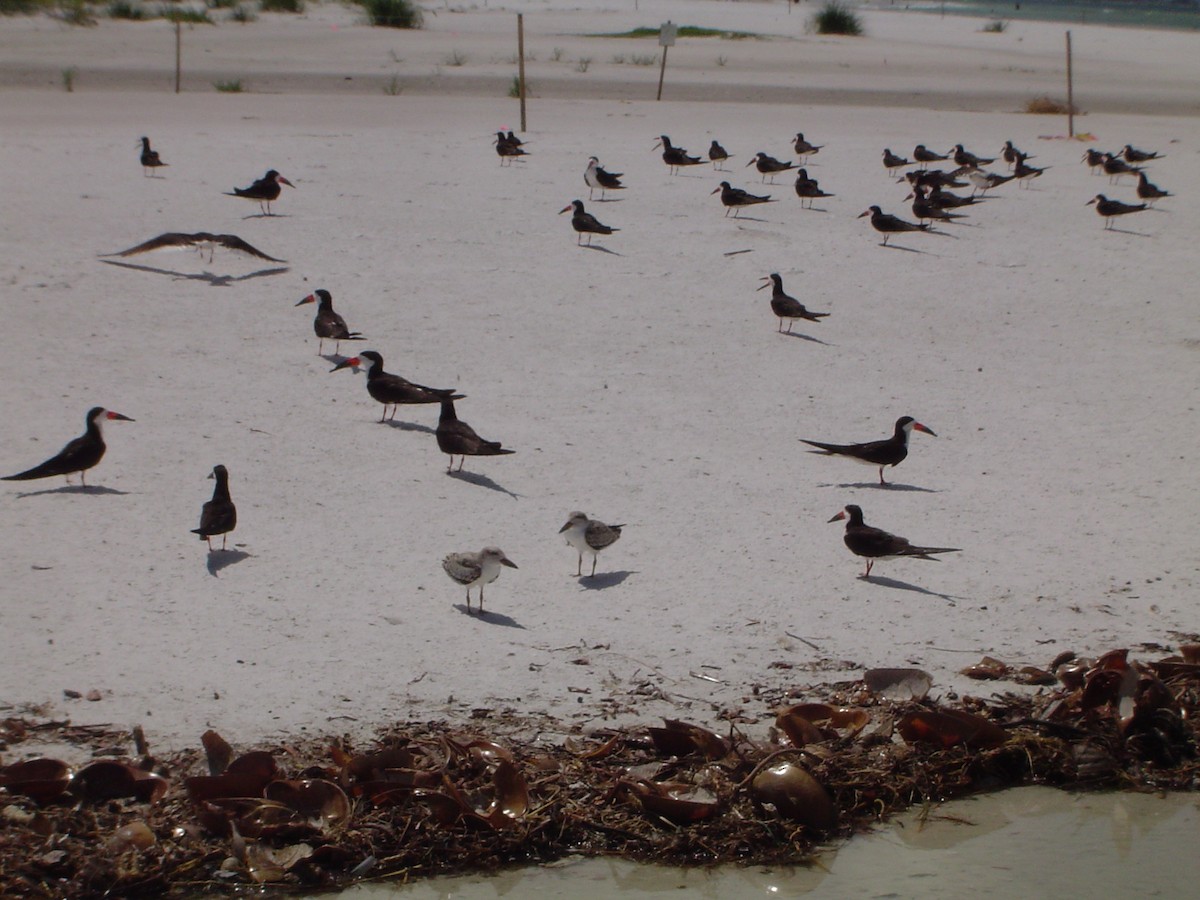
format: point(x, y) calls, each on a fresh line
point(646, 384)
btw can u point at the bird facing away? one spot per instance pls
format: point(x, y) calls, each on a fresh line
point(509, 148)
point(717, 154)
point(808, 190)
point(786, 307)
point(218, 515)
point(1114, 167)
point(80, 454)
point(887, 224)
point(264, 191)
point(887, 452)
point(459, 438)
point(392, 390)
point(199, 241)
point(1109, 209)
point(328, 324)
point(1150, 192)
point(589, 536)
point(150, 158)
point(1024, 172)
point(596, 177)
point(675, 157)
point(470, 569)
point(1133, 155)
point(736, 198)
point(875, 543)
point(769, 165)
point(584, 222)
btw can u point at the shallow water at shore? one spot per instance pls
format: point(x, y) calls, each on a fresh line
point(1177, 16)
point(1026, 842)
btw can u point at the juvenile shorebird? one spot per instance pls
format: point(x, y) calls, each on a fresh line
point(1110, 209)
point(769, 165)
point(887, 224)
point(589, 536)
point(985, 181)
point(455, 437)
point(1150, 192)
point(735, 198)
point(717, 154)
point(264, 191)
point(808, 190)
point(675, 157)
point(804, 148)
point(79, 454)
point(875, 543)
point(328, 324)
point(887, 452)
point(471, 569)
point(218, 515)
point(392, 390)
point(200, 241)
point(150, 158)
point(596, 177)
point(584, 222)
point(787, 307)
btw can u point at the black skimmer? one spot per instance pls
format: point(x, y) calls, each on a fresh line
point(948, 200)
point(150, 158)
point(589, 536)
point(470, 569)
point(985, 181)
point(1112, 208)
point(218, 515)
point(717, 154)
point(1114, 168)
point(875, 543)
point(392, 390)
point(1011, 154)
point(264, 191)
point(787, 307)
point(514, 140)
point(1150, 192)
point(769, 165)
point(198, 241)
point(1133, 155)
point(892, 162)
point(596, 177)
point(923, 208)
point(887, 452)
point(675, 157)
point(887, 224)
point(933, 178)
point(804, 148)
point(458, 438)
point(736, 198)
point(1094, 159)
point(964, 159)
point(584, 222)
point(925, 156)
point(508, 150)
point(1026, 173)
point(808, 190)
point(328, 324)
point(78, 455)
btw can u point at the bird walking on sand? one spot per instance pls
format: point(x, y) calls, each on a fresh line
point(264, 191)
point(875, 543)
point(769, 165)
point(150, 159)
point(887, 452)
point(735, 198)
point(218, 515)
point(718, 155)
point(589, 536)
point(596, 177)
point(786, 307)
point(80, 454)
point(392, 390)
point(808, 190)
point(328, 325)
point(584, 222)
point(1110, 209)
point(1150, 192)
point(887, 224)
point(199, 241)
point(471, 569)
point(455, 437)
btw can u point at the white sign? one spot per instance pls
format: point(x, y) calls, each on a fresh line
point(666, 34)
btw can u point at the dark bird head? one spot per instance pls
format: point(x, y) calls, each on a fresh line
point(724, 187)
point(576, 205)
point(145, 142)
point(272, 175)
point(873, 211)
point(1099, 198)
point(908, 423)
point(852, 512)
point(220, 473)
point(769, 280)
point(663, 141)
point(321, 295)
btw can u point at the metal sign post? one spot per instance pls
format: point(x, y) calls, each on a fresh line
point(521, 65)
point(1070, 92)
point(666, 38)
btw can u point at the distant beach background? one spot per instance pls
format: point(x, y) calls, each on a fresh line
point(1180, 14)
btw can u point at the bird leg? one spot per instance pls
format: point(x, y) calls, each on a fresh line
point(462, 459)
point(594, 557)
point(867, 574)
point(468, 601)
point(481, 599)
point(881, 481)
point(579, 568)
point(224, 538)
point(209, 540)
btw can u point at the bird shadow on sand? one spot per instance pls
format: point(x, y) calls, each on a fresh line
point(267, 216)
point(409, 426)
point(815, 209)
point(214, 280)
point(603, 580)
point(906, 249)
point(606, 200)
point(221, 559)
point(482, 481)
point(599, 247)
point(804, 337)
point(884, 581)
point(889, 486)
point(1140, 234)
point(491, 618)
point(748, 219)
point(73, 489)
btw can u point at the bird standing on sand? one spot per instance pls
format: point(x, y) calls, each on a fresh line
point(150, 158)
point(717, 154)
point(1133, 155)
point(508, 147)
point(892, 162)
point(875, 543)
point(786, 307)
point(985, 181)
point(804, 148)
point(79, 454)
point(1110, 209)
point(1150, 192)
point(1114, 167)
point(219, 515)
point(455, 437)
point(584, 222)
point(808, 190)
point(925, 156)
point(328, 324)
point(735, 198)
point(589, 536)
point(769, 165)
point(923, 208)
point(966, 160)
point(887, 224)
point(675, 157)
point(264, 191)
point(1010, 154)
point(392, 390)
point(596, 177)
point(470, 569)
point(887, 452)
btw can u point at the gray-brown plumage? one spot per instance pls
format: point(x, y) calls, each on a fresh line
point(892, 162)
point(200, 240)
point(1150, 192)
point(218, 515)
point(471, 569)
point(785, 306)
point(589, 536)
point(1133, 155)
point(769, 165)
point(457, 438)
point(717, 154)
